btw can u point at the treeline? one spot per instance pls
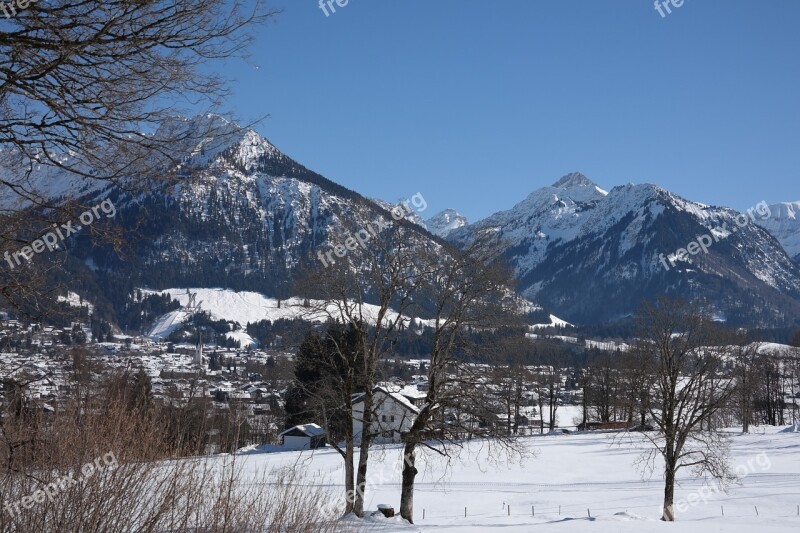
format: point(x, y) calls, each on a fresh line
point(202, 327)
point(141, 310)
point(546, 374)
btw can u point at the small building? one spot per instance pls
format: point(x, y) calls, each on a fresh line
point(393, 416)
point(303, 437)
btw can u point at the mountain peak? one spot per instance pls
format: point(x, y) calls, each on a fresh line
point(574, 179)
point(203, 139)
point(443, 223)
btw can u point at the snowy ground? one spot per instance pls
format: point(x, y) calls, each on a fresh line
point(580, 473)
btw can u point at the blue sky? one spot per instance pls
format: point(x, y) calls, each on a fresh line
point(477, 104)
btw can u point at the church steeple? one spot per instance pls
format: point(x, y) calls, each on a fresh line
point(198, 355)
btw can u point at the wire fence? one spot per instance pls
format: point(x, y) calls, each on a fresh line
point(576, 511)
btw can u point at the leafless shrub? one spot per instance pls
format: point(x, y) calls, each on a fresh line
point(133, 484)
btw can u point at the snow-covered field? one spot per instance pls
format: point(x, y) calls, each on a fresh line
point(582, 474)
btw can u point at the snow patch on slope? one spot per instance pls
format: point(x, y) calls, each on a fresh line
point(245, 307)
point(554, 322)
point(73, 299)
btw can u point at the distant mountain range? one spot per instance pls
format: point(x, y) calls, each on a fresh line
point(593, 256)
point(250, 218)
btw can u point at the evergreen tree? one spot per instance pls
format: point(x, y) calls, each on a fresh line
point(213, 361)
point(307, 374)
point(141, 394)
point(796, 339)
point(327, 372)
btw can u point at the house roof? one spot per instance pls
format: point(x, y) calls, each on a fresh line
point(309, 430)
point(399, 398)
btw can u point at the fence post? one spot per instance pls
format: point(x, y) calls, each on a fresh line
point(533, 510)
point(509, 510)
point(588, 513)
point(723, 510)
point(756, 506)
point(465, 512)
point(559, 510)
point(423, 514)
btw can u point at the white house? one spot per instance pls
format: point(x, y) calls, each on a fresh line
point(303, 437)
point(394, 415)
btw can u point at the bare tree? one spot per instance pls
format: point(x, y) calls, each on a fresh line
point(371, 290)
point(548, 376)
point(552, 374)
point(793, 373)
point(468, 291)
point(334, 364)
point(584, 382)
point(637, 388)
point(745, 357)
point(509, 381)
point(771, 389)
point(682, 354)
point(96, 79)
point(540, 389)
point(599, 386)
point(89, 95)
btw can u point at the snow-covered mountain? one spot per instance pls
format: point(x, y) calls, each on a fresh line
point(411, 213)
point(784, 224)
point(237, 213)
point(593, 256)
point(548, 215)
point(443, 223)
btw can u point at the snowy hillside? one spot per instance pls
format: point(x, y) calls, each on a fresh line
point(243, 308)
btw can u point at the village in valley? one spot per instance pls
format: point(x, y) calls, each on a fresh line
point(248, 386)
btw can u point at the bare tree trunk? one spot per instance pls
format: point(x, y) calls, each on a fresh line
point(792, 383)
point(555, 388)
point(585, 402)
point(669, 493)
point(409, 474)
point(517, 401)
point(363, 454)
point(746, 420)
point(509, 425)
point(540, 402)
point(349, 473)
